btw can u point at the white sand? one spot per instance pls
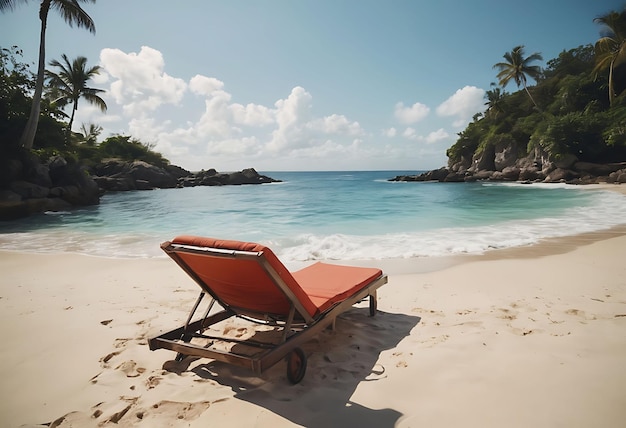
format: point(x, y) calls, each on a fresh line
point(529, 337)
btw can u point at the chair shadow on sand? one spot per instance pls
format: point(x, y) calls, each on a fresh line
point(338, 361)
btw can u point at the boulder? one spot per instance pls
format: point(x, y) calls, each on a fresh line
point(454, 177)
point(155, 176)
point(437, 174)
point(40, 174)
point(143, 185)
point(561, 175)
point(78, 187)
point(28, 190)
point(510, 173)
point(566, 161)
point(115, 184)
point(484, 161)
point(10, 170)
point(597, 169)
point(530, 173)
point(177, 172)
point(505, 155)
point(110, 168)
point(57, 168)
point(617, 177)
point(483, 175)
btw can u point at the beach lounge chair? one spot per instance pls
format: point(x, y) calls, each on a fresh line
point(248, 280)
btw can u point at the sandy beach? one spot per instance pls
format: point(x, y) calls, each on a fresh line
point(533, 336)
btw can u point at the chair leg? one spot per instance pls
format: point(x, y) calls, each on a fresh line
point(373, 303)
point(287, 328)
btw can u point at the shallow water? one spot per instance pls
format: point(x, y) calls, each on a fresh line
point(326, 215)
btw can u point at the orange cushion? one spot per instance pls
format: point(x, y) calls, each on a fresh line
point(327, 284)
point(244, 284)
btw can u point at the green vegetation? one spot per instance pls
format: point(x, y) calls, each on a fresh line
point(54, 136)
point(73, 14)
point(127, 148)
point(70, 84)
point(574, 109)
point(517, 67)
point(611, 49)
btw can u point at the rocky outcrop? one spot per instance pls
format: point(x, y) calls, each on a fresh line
point(213, 178)
point(116, 175)
point(500, 163)
point(28, 186)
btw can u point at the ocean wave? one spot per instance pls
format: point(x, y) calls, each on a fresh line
point(602, 211)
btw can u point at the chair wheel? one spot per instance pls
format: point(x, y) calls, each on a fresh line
point(296, 365)
point(373, 306)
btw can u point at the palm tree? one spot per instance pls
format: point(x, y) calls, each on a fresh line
point(517, 67)
point(494, 102)
point(90, 134)
point(611, 48)
point(72, 13)
point(70, 84)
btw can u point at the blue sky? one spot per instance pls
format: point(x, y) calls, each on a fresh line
point(299, 84)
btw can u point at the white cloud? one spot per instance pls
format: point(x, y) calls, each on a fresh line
point(336, 124)
point(197, 124)
point(238, 147)
point(215, 122)
point(252, 114)
point(292, 114)
point(139, 82)
point(203, 85)
point(390, 133)
point(410, 133)
point(463, 105)
point(436, 136)
point(413, 114)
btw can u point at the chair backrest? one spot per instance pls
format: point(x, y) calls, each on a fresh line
point(244, 276)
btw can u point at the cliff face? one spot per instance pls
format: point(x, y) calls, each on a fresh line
point(501, 163)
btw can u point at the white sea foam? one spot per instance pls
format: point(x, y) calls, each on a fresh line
point(606, 213)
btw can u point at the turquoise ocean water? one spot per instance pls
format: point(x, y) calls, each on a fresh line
point(326, 215)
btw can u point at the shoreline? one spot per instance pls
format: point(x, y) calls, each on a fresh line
point(517, 337)
point(77, 233)
point(411, 265)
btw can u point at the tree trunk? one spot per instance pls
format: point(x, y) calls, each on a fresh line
point(69, 126)
point(28, 136)
point(531, 97)
point(611, 91)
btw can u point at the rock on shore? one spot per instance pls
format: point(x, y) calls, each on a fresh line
point(28, 186)
point(503, 165)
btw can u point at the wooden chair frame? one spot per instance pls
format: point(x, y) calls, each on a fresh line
point(297, 328)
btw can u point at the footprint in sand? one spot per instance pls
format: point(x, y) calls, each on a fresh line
point(108, 357)
point(507, 314)
point(130, 368)
point(153, 381)
point(434, 340)
point(430, 312)
point(580, 314)
point(120, 342)
point(235, 331)
point(172, 409)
